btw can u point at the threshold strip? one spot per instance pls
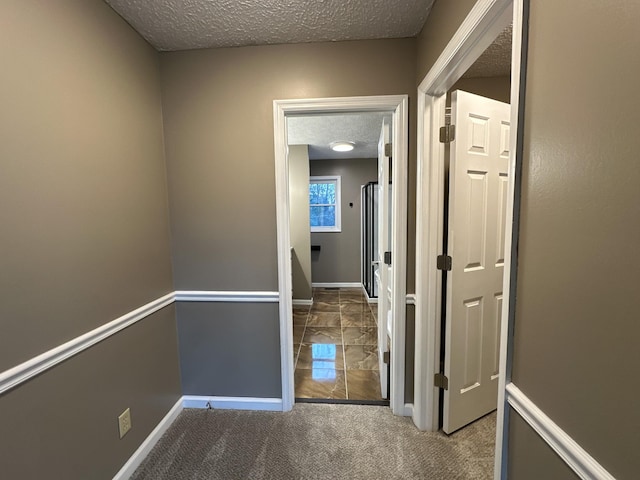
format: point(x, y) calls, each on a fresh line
point(341, 401)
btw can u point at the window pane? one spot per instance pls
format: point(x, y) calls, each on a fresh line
point(323, 216)
point(322, 193)
point(313, 193)
point(331, 193)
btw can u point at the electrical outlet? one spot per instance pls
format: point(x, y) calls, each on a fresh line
point(124, 422)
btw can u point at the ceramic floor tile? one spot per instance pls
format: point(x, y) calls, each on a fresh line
point(351, 290)
point(301, 309)
point(321, 306)
point(321, 356)
point(352, 300)
point(320, 360)
point(361, 357)
point(358, 319)
point(320, 383)
point(324, 319)
point(298, 331)
point(352, 293)
point(360, 335)
point(326, 298)
point(363, 385)
point(355, 292)
point(354, 308)
point(300, 318)
point(322, 335)
point(296, 349)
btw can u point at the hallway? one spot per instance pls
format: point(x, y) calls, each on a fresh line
point(335, 347)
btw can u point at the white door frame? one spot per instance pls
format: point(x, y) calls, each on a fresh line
point(397, 105)
point(484, 22)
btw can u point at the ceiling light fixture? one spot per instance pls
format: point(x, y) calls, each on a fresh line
point(342, 146)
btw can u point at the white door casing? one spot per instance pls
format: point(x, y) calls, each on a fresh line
point(478, 181)
point(383, 276)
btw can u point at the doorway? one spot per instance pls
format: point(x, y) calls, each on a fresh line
point(396, 107)
point(335, 328)
point(484, 23)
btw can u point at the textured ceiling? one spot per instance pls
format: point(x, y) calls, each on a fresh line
point(495, 61)
point(190, 24)
point(318, 131)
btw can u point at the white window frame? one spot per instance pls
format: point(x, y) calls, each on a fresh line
point(337, 179)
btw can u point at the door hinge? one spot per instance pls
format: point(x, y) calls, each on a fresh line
point(447, 133)
point(440, 380)
point(388, 149)
point(386, 357)
point(387, 258)
point(444, 262)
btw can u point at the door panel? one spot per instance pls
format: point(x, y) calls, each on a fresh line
point(472, 355)
point(478, 186)
point(476, 209)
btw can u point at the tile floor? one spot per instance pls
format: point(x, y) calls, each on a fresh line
point(335, 347)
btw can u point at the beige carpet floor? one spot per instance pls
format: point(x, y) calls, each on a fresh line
point(316, 441)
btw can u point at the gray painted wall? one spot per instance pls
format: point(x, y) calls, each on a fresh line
point(535, 458)
point(218, 107)
point(63, 424)
point(83, 205)
point(299, 221)
point(443, 21)
point(576, 330)
point(219, 127)
point(339, 257)
point(83, 178)
point(230, 349)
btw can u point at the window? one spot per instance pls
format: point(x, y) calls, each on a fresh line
point(324, 204)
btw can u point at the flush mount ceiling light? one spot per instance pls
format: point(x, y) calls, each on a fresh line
point(342, 146)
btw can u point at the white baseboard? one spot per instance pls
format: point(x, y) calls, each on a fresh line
point(574, 455)
point(232, 403)
point(369, 299)
point(302, 302)
point(143, 450)
point(407, 411)
point(337, 285)
point(411, 299)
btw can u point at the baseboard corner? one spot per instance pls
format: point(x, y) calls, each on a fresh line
point(407, 411)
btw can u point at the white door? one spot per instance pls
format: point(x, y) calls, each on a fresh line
point(478, 169)
point(383, 273)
